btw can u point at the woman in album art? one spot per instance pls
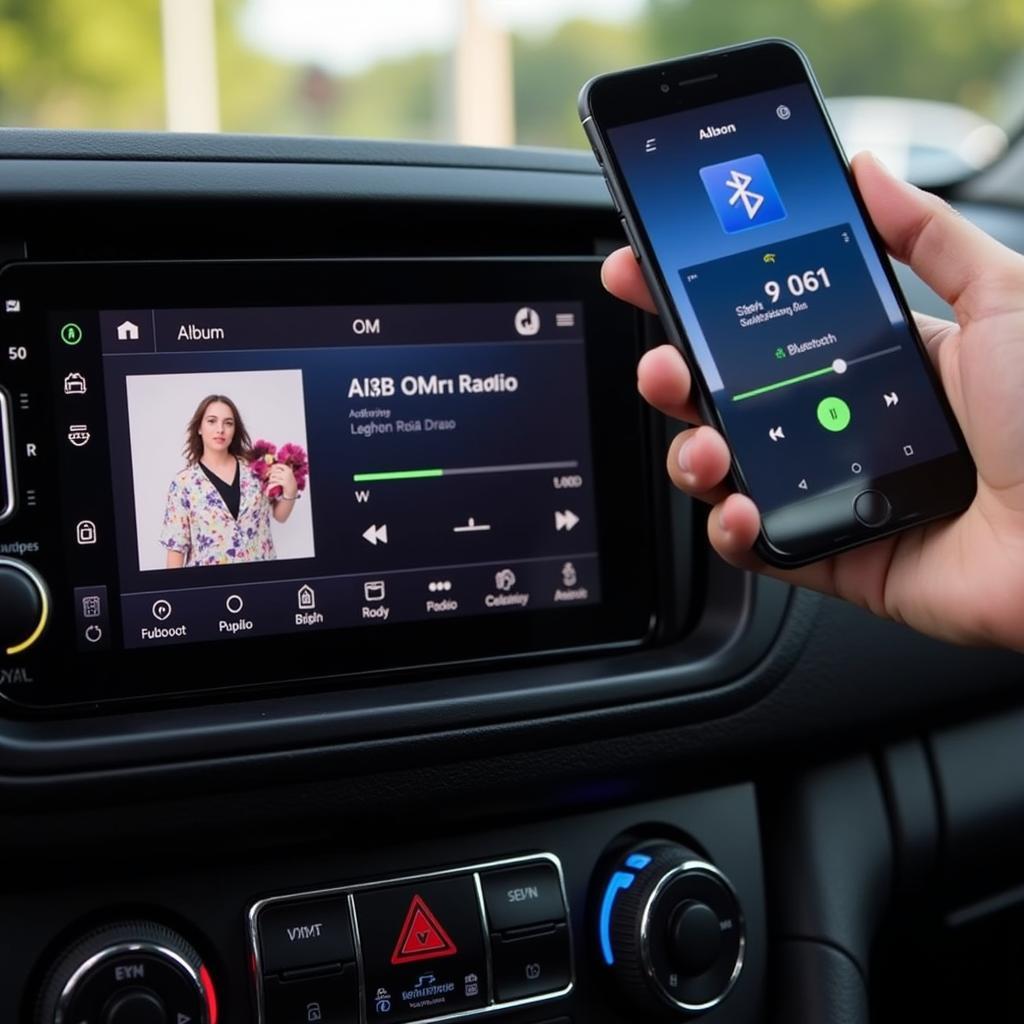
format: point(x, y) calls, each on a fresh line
point(217, 511)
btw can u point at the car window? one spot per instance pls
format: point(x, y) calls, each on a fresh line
point(935, 85)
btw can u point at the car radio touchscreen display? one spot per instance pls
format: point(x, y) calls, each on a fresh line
point(287, 469)
point(325, 468)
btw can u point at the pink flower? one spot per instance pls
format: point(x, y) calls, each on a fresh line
point(266, 455)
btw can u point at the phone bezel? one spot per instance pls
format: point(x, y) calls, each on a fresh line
point(807, 530)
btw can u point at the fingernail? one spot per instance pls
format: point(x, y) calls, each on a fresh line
point(683, 456)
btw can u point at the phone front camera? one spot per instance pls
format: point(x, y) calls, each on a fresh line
point(664, 86)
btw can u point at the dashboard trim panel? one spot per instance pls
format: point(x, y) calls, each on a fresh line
point(351, 890)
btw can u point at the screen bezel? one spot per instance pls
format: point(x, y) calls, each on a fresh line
point(620, 451)
point(809, 529)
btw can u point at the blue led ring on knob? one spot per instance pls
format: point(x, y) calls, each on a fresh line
point(619, 881)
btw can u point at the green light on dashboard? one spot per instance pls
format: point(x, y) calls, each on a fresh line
point(71, 334)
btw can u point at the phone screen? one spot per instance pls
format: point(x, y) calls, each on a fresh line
point(797, 330)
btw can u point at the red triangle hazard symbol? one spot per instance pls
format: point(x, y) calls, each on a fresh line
point(422, 937)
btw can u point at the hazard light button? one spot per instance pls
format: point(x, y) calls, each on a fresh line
point(423, 950)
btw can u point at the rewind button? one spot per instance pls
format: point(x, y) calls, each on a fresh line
point(376, 534)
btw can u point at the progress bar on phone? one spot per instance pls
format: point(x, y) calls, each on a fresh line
point(422, 474)
point(836, 366)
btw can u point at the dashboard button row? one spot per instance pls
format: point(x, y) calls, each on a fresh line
point(446, 944)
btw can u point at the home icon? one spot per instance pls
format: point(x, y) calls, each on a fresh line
point(127, 331)
point(307, 597)
point(74, 384)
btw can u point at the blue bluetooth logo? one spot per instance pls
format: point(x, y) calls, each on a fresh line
point(743, 193)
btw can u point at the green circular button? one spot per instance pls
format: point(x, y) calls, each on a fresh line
point(71, 334)
point(833, 414)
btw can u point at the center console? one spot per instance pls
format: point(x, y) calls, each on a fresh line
point(650, 912)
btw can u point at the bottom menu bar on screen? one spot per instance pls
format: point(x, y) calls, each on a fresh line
point(341, 602)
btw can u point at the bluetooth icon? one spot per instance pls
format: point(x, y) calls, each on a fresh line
point(741, 183)
point(742, 193)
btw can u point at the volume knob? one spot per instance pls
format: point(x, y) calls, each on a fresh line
point(671, 930)
point(24, 606)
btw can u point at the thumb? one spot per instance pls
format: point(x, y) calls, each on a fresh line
point(965, 267)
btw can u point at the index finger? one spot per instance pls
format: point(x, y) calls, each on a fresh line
point(663, 377)
point(664, 380)
point(621, 275)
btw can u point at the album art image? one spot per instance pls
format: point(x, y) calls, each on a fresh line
point(220, 468)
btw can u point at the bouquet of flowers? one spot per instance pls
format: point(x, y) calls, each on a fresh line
point(266, 455)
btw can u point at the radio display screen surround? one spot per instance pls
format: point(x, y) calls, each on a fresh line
point(251, 473)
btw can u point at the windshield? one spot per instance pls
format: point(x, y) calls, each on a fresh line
point(498, 72)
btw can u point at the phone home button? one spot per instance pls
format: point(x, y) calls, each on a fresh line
point(872, 508)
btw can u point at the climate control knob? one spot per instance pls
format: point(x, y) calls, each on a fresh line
point(135, 972)
point(670, 929)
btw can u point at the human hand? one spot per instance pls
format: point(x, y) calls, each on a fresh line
point(960, 579)
point(282, 476)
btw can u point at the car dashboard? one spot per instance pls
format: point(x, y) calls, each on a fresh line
point(584, 773)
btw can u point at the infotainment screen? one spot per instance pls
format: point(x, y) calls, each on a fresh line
point(326, 468)
point(437, 461)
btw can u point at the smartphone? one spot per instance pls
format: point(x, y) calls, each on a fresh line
point(739, 204)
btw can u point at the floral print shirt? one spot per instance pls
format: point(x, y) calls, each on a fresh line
point(198, 524)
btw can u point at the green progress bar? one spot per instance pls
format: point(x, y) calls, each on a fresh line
point(401, 474)
point(782, 384)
